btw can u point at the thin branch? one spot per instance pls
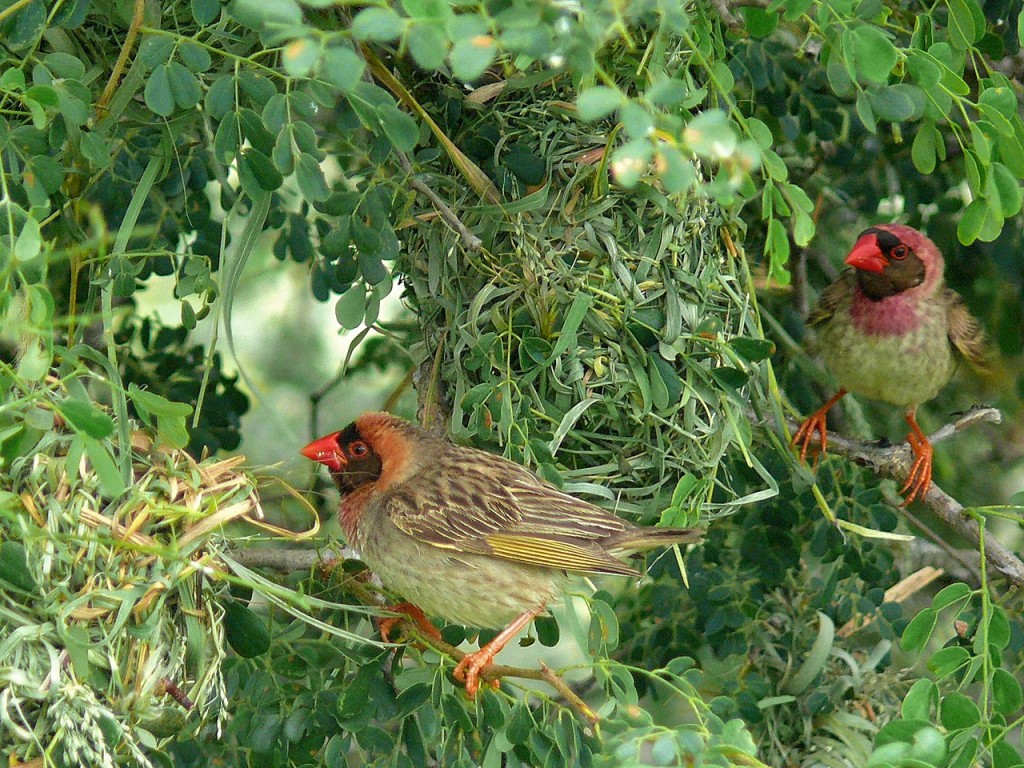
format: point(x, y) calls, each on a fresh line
point(138, 15)
point(469, 241)
point(288, 560)
point(894, 461)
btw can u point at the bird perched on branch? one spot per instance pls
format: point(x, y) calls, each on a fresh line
point(891, 330)
point(465, 535)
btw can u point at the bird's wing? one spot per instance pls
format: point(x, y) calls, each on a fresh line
point(965, 332)
point(830, 299)
point(476, 502)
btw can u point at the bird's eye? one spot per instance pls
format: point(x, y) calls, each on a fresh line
point(899, 252)
point(358, 449)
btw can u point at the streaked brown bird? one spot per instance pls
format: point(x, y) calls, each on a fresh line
point(465, 535)
point(890, 329)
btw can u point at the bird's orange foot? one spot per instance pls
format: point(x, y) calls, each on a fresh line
point(411, 612)
point(920, 478)
point(468, 670)
point(471, 666)
point(815, 423)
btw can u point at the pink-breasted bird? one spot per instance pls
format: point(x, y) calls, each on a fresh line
point(465, 535)
point(890, 329)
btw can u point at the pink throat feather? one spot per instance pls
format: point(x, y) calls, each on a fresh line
point(892, 316)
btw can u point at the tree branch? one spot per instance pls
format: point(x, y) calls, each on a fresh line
point(469, 241)
point(288, 560)
point(894, 461)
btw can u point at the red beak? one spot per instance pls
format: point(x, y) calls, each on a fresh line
point(867, 255)
point(326, 451)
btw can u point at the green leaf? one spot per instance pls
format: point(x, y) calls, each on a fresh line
point(891, 104)
point(923, 150)
point(998, 629)
point(759, 22)
point(777, 244)
point(962, 32)
point(401, 129)
point(44, 95)
point(683, 488)
point(283, 158)
point(245, 631)
point(874, 54)
point(351, 307)
point(1001, 99)
point(155, 50)
point(865, 113)
point(599, 101)
point(752, 350)
point(1011, 150)
point(1005, 755)
point(94, 149)
point(260, 13)
point(971, 221)
point(470, 57)
point(839, 79)
point(371, 268)
point(378, 25)
point(676, 172)
point(957, 712)
point(157, 405)
point(664, 91)
point(917, 704)
point(947, 660)
point(300, 56)
point(184, 86)
point(1006, 692)
point(220, 99)
point(195, 57)
point(923, 69)
point(342, 67)
point(428, 45)
point(157, 94)
point(581, 304)
point(106, 470)
point(1007, 187)
point(205, 11)
point(919, 630)
point(636, 120)
point(86, 418)
point(29, 241)
point(950, 594)
point(729, 377)
point(710, 134)
point(310, 178)
point(263, 170)
point(803, 228)
point(14, 566)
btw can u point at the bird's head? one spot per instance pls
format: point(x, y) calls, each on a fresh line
point(349, 456)
point(892, 258)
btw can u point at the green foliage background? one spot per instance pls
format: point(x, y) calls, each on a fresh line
point(605, 222)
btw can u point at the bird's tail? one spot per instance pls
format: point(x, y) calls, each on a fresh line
point(636, 539)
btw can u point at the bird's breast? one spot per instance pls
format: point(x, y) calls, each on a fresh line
point(892, 316)
point(905, 369)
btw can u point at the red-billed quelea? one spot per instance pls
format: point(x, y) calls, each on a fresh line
point(891, 330)
point(465, 535)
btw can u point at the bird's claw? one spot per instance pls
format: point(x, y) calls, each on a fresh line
point(410, 612)
point(469, 669)
point(814, 423)
point(919, 480)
